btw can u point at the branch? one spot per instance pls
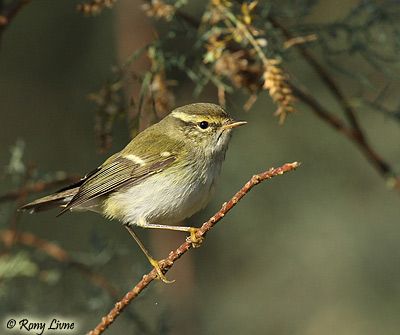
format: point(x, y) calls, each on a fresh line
point(174, 256)
point(380, 165)
point(354, 133)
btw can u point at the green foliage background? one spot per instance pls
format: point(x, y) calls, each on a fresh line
point(315, 251)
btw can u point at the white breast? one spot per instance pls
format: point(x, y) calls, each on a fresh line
point(164, 198)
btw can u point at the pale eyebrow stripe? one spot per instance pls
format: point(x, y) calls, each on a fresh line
point(183, 116)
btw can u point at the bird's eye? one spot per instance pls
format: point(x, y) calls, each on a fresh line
point(203, 124)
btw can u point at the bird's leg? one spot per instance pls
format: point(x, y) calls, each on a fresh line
point(152, 261)
point(196, 242)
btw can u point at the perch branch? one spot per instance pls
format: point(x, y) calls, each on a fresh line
point(175, 255)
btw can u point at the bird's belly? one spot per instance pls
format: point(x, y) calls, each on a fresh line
point(161, 199)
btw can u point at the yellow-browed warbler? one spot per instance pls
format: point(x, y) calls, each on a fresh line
point(165, 174)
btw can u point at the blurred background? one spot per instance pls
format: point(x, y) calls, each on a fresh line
point(315, 251)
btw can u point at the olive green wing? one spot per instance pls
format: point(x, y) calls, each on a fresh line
point(116, 173)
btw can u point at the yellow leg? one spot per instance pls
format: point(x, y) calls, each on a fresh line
point(152, 261)
point(196, 242)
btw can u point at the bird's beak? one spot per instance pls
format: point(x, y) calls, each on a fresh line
point(233, 124)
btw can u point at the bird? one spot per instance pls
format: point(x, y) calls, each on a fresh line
point(167, 173)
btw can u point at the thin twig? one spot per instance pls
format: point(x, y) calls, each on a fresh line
point(174, 256)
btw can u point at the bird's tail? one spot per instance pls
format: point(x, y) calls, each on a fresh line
point(59, 199)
